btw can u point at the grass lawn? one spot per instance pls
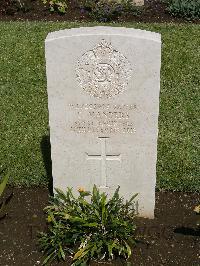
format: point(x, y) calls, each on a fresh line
point(24, 113)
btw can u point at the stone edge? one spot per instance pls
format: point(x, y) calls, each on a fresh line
point(100, 30)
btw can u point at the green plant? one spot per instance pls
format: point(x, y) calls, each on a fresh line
point(99, 228)
point(3, 184)
point(3, 202)
point(13, 6)
point(197, 211)
point(107, 10)
point(189, 9)
point(59, 6)
point(23, 5)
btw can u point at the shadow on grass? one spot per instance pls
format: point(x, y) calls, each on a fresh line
point(46, 154)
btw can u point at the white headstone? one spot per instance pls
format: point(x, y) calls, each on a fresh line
point(138, 2)
point(103, 97)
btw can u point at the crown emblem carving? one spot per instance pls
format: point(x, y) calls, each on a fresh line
point(103, 72)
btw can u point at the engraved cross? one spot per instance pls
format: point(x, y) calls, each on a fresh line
point(103, 157)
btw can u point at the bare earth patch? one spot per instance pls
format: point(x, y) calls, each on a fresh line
point(172, 238)
point(153, 11)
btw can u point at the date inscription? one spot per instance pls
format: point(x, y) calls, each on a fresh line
point(102, 118)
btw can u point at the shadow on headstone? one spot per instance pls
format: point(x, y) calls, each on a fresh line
point(46, 154)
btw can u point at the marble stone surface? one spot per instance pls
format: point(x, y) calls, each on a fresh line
point(103, 99)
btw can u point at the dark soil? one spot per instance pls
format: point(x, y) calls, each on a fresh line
point(153, 11)
point(172, 238)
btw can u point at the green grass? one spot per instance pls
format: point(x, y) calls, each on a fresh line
point(24, 114)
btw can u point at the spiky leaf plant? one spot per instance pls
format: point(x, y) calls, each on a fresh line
point(90, 226)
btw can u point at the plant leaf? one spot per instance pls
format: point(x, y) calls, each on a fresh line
point(128, 249)
point(62, 252)
point(81, 253)
point(3, 184)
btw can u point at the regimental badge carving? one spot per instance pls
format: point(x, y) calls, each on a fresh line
point(103, 72)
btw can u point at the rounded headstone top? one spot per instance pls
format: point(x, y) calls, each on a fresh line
point(104, 30)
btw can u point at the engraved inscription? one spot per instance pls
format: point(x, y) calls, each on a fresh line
point(103, 72)
point(102, 118)
point(104, 157)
